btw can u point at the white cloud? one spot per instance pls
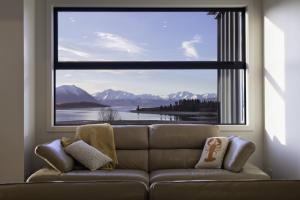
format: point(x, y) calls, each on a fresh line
point(118, 43)
point(66, 58)
point(71, 54)
point(123, 72)
point(189, 48)
point(111, 71)
point(164, 26)
point(68, 75)
point(72, 19)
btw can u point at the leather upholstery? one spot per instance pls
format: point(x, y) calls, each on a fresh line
point(54, 154)
point(231, 190)
point(250, 172)
point(132, 147)
point(239, 151)
point(131, 137)
point(107, 190)
point(49, 175)
point(127, 159)
point(118, 190)
point(173, 158)
point(177, 146)
point(167, 152)
point(133, 159)
point(180, 136)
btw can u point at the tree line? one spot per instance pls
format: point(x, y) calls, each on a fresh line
point(186, 105)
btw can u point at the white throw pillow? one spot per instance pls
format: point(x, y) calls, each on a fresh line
point(87, 155)
point(213, 153)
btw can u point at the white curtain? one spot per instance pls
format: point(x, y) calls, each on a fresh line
point(231, 81)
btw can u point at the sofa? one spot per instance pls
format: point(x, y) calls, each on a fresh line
point(208, 190)
point(152, 155)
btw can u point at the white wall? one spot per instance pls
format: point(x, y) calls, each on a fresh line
point(11, 90)
point(19, 76)
point(282, 80)
point(17, 89)
point(41, 78)
point(29, 84)
point(253, 132)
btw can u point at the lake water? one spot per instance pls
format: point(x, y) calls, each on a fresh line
point(93, 114)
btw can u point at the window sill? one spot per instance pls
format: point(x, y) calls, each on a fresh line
point(236, 128)
point(223, 128)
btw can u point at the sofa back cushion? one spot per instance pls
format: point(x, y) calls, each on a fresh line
point(177, 146)
point(132, 147)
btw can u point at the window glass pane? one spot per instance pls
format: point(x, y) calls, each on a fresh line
point(136, 96)
point(137, 36)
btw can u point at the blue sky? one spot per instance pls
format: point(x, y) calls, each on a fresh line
point(138, 36)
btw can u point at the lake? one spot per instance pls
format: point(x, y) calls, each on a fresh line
point(93, 114)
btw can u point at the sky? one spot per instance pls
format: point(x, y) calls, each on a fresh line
point(138, 36)
point(156, 82)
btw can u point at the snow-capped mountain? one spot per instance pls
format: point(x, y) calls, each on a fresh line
point(110, 97)
point(182, 95)
point(123, 98)
point(72, 94)
point(149, 96)
point(113, 95)
point(119, 94)
point(208, 96)
point(188, 95)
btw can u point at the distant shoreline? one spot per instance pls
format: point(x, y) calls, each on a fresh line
point(175, 113)
point(132, 122)
point(79, 105)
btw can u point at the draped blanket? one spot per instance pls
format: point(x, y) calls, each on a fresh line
point(100, 136)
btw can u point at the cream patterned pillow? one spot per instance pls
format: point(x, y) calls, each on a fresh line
point(213, 153)
point(87, 155)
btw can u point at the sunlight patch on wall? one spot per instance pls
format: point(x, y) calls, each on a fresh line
point(274, 81)
point(275, 52)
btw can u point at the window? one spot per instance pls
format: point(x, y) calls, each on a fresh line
point(149, 65)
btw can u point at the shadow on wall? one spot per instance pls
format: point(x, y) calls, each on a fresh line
point(282, 82)
point(280, 161)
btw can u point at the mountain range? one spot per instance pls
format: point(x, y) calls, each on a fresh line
point(74, 94)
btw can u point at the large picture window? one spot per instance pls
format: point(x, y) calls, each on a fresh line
point(149, 65)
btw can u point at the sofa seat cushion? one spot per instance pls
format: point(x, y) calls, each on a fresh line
point(227, 190)
point(250, 172)
point(49, 175)
point(94, 190)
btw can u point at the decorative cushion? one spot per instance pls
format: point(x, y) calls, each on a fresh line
point(213, 153)
point(238, 152)
point(54, 155)
point(87, 155)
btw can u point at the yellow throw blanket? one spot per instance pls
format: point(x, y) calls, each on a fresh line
point(100, 136)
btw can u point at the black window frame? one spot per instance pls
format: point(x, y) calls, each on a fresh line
point(146, 65)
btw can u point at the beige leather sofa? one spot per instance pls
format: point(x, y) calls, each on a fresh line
point(151, 155)
point(208, 190)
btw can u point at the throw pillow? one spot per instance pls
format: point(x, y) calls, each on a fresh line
point(239, 151)
point(87, 155)
point(213, 153)
point(54, 155)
